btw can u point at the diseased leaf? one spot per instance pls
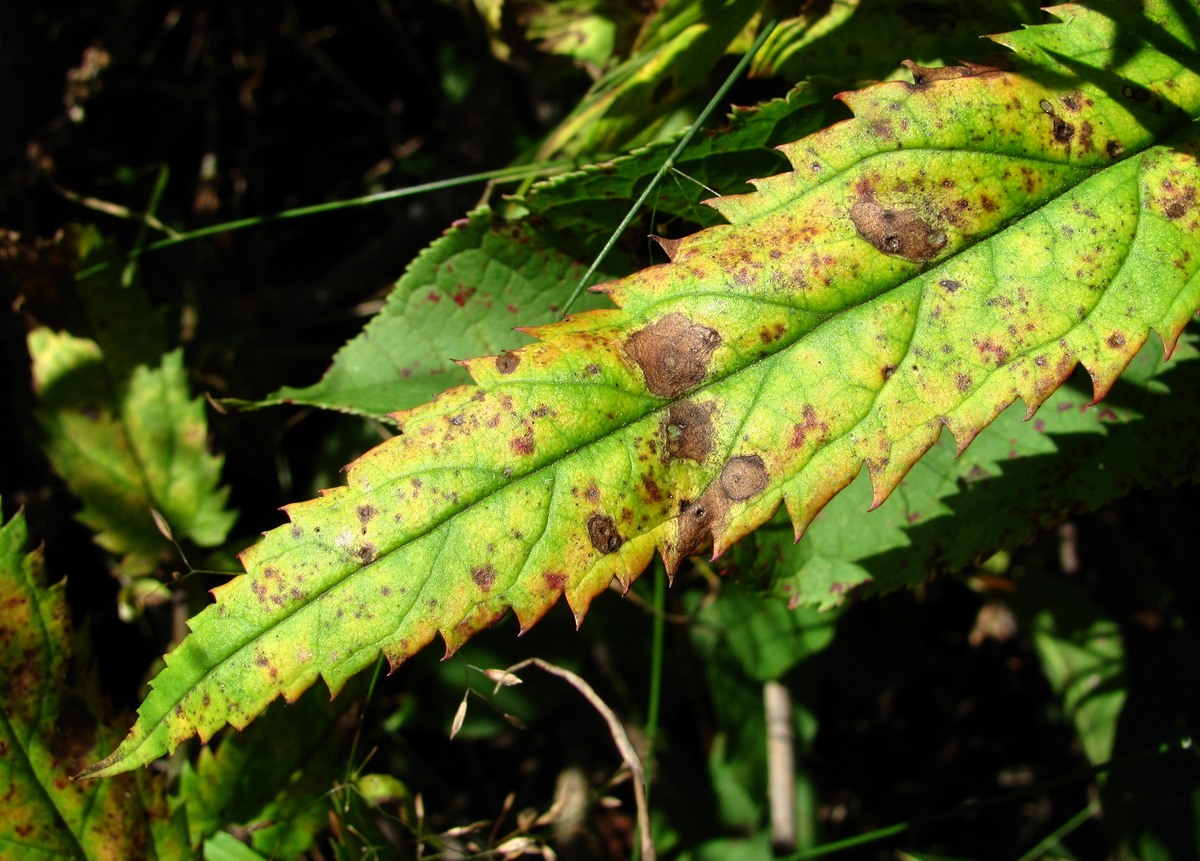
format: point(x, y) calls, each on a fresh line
point(448, 303)
point(951, 511)
point(51, 724)
point(964, 241)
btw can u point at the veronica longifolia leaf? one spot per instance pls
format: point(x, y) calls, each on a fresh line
point(966, 240)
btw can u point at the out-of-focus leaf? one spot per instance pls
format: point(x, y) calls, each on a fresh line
point(51, 724)
point(269, 780)
point(852, 40)
point(633, 103)
point(1082, 655)
point(129, 447)
point(223, 846)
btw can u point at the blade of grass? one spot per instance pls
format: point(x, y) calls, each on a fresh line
point(669, 163)
point(174, 238)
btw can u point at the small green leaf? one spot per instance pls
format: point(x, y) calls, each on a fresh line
point(1083, 657)
point(129, 448)
point(51, 724)
point(965, 241)
point(269, 780)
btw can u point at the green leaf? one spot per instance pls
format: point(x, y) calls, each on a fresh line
point(51, 724)
point(963, 242)
point(268, 781)
point(463, 295)
point(1083, 657)
point(129, 448)
point(634, 103)
point(1019, 476)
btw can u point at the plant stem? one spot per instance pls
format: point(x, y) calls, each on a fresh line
point(667, 165)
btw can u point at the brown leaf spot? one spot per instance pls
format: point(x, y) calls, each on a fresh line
point(484, 576)
point(556, 580)
point(507, 362)
point(522, 444)
point(602, 530)
point(811, 423)
point(673, 353)
point(1116, 340)
point(1113, 149)
point(365, 513)
point(695, 526)
point(365, 552)
point(688, 430)
point(897, 232)
point(962, 382)
point(743, 477)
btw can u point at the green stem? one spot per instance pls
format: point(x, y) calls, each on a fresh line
point(667, 165)
point(505, 173)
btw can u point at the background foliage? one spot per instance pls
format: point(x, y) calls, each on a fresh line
point(995, 680)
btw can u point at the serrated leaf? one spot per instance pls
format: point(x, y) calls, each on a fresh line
point(951, 511)
point(964, 241)
point(448, 302)
point(268, 781)
point(51, 723)
point(130, 449)
point(461, 297)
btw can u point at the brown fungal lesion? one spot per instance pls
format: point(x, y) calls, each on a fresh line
point(602, 531)
point(897, 232)
point(688, 430)
point(673, 354)
point(743, 477)
point(507, 362)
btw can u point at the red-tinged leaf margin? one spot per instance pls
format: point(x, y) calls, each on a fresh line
point(872, 257)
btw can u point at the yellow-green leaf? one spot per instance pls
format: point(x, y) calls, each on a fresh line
point(51, 724)
point(965, 241)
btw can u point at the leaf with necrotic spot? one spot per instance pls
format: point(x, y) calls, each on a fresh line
point(964, 241)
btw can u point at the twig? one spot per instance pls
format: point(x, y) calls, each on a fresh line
point(628, 754)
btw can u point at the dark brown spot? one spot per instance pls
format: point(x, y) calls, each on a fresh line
point(484, 576)
point(522, 444)
point(673, 353)
point(507, 362)
point(602, 530)
point(743, 477)
point(688, 429)
point(950, 286)
point(365, 513)
point(592, 492)
point(1063, 130)
point(1113, 149)
point(898, 232)
point(1116, 340)
point(365, 552)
